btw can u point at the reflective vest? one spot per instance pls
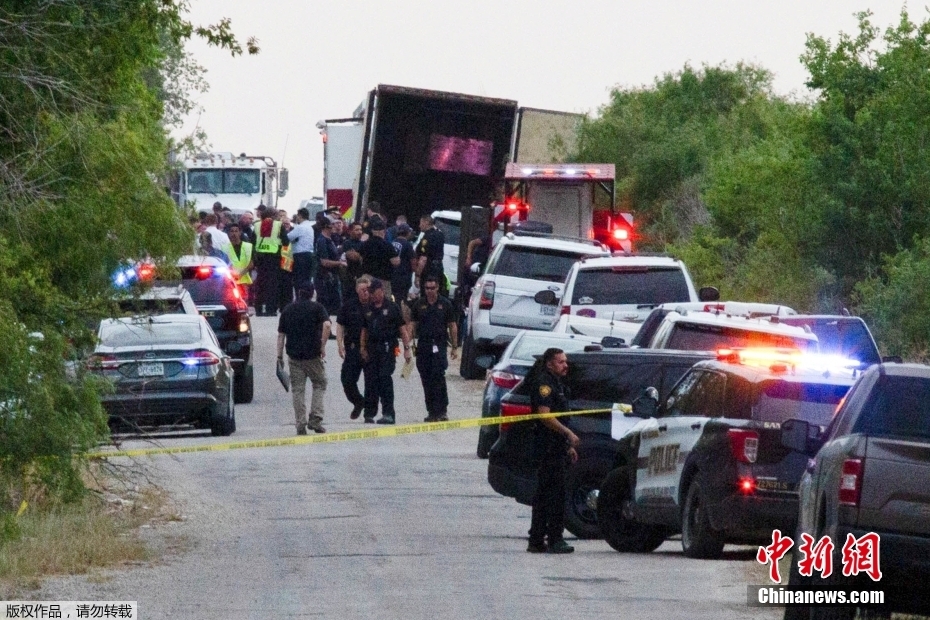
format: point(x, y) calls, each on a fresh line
point(240, 263)
point(287, 257)
point(268, 245)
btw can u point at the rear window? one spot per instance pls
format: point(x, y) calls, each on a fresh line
point(450, 229)
point(145, 333)
point(534, 263)
point(528, 347)
point(847, 337)
point(898, 407)
point(811, 402)
point(216, 289)
point(151, 306)
point(696, 337)
point(630, 285)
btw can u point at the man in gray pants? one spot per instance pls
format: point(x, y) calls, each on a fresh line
point(304, 328)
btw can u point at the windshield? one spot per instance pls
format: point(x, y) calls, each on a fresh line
point(785, 400)
point(220, 181)
point(616, 286)
point(451, 229)
point(527, 347)
point(534, 263)
point(144, 333)
point(697, 337)
point(898, 407)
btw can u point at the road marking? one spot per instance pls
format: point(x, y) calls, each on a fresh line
point(374, 433)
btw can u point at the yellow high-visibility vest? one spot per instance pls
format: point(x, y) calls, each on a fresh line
point(269, 245)
point(239, 263)
point(287, 257)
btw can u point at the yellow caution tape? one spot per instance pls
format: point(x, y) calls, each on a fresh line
point(374, 433)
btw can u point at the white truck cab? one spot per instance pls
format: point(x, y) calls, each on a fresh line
point(239, 182)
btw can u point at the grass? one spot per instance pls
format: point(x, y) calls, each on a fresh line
point(99, 532)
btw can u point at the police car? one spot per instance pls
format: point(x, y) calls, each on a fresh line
point(708, 462)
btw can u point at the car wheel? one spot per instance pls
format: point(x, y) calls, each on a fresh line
point(224, 424)
point(583, 478)
point(245, 385)
point(795, 578)
point(698, 538)
point(468, 369)
point(839, 581)
point(617, 527)
point(486, 439)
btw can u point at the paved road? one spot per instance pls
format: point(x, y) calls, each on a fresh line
point(391, 528)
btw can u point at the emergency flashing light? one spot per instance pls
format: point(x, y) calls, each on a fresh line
point(621, 234)
point(782, 360)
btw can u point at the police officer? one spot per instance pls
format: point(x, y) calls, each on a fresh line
point(430, 251)
point(349, 323)
point(383, 325)
point(434, 325)
point(555, 446)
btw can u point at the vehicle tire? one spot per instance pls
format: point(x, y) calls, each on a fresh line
point(245, 385)
point(698, 538)
point(583, 477)
point(836, 580)
point(485, 441)
point(795, 578)
point(468, 369)
point(621, 532)
point(224, 424)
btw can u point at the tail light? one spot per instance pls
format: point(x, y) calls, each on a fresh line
point(201, 357)
point(243, 325)
point(747, 485)
point(621, 234)
point(102, 362)
point(744, 444)
point(506, 380)
point(565, 310)
point(204, 272)
point(486, 302)
point(851, 482)
point(509, 409)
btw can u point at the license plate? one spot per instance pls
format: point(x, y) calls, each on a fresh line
point(151, 369)
point(547, 310)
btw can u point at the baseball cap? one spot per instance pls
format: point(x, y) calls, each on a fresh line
point(403, 229)
point(375, 284)
point(377, 224)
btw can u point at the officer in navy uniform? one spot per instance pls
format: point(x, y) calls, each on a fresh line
point(430, 251)
point(384, 324)
point(434, 324)
point(349, 323)
point(555, 446)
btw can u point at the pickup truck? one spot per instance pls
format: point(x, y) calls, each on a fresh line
point(869, 472)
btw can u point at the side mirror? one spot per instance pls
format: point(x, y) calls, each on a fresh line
point(800, 436)
point(892, 359)
point(546, 298)
point(647, 404)
point(612, 342)
point(484, 361)
point(709, 293)
point(475, 268)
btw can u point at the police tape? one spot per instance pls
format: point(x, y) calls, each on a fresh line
point(374, 433)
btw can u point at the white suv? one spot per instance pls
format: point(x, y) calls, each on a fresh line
point(502, 301)
point(612, 296)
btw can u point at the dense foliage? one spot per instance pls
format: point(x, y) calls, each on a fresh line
point(821, 204)
point(88, 89)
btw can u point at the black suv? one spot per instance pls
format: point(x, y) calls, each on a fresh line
point(595, 380)
point(220, 301)
point(708, 462)
point(869, 474)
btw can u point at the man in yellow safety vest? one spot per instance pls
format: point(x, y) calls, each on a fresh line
point(268, 241)
point(240, 257)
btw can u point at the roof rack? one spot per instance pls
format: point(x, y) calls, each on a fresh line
point(594, 242)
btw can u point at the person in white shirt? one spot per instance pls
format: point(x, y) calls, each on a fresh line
point(220, 239)
point(301, 238)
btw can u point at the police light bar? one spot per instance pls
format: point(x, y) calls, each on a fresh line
point(781, 359)
point(582, 172)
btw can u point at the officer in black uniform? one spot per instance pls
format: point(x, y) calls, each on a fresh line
point(349, 323)
point(430, 251)
point(383, 325)
point(434, 325)
point(555, 446)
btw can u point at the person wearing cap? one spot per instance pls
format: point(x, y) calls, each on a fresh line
point(402, 276)
point(303, 330)
point(327, 273)
point(400, 220)
point(349, 324)
point(433, 324)
point(430, 252)
point(384, 324)
point(379, 258)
